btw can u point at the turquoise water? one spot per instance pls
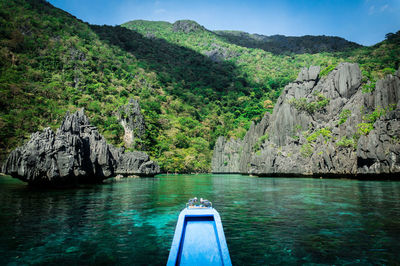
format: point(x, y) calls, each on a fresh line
point(266, 220)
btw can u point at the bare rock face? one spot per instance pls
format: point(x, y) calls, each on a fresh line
point(226, 159)
point(250, 140)
point(308, 74)
point(316, 129)
point(76, 153)
point(348, 79)
point(132, 120)
point(387, 91)
point(187, 26)
point(379, 152)
point(233, 156)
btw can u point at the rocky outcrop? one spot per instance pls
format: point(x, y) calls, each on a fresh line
point(379, 152)
point(250, 141)
point(132, 120)
point(187, 26)
point(308, 74)
point(218, 53)
point(233, 156)
point(227, 155)
point(76, 153)
point(323, 126)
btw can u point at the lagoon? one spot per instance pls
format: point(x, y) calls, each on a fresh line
point(266, 220)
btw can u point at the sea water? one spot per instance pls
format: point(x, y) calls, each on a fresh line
point(267, 221)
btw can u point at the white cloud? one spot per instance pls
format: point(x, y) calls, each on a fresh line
point(378, 9)
point(383, 8)
point(371, 10)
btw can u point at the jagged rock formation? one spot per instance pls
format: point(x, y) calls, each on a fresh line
point(227, 155)
point(379, 152)
point(132, 121)
point(76, 153)
point(322, 126)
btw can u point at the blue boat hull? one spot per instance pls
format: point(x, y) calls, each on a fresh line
point(199, 239)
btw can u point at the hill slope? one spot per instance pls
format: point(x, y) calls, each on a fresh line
point(192, 85)
point(280, 44)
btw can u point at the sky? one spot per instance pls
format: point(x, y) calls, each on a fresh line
point(363, 21)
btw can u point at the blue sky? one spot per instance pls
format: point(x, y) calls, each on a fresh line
point(363, 21)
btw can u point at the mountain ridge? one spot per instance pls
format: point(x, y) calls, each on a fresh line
point(277, 43)
point(289, 44)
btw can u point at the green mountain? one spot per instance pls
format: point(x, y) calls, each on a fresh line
point(280, 44)
point(193, 84)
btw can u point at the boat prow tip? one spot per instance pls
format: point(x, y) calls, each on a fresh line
point(199, 237)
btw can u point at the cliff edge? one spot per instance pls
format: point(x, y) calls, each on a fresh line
point(329, 125)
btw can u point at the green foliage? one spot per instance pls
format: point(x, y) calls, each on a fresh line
point(376, 114)
point(111, 128)
point(298, 128)
point(395, 140)
point(393, 37)
point(306, 150)
point(364, 128)
point(388, 71)
point(369, 119)
point(347, 142)
point(279, 44)
point(343, 116)
point(327, 70)
point(259, 142)
point(302, 104)
point(326, 133)
point(368, 87)
point(321, 102)
point(264, 138)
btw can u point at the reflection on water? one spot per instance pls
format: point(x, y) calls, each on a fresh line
point(266, 220)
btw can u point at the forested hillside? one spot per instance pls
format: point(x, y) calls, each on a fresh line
point(280, 44)
point(192, 84)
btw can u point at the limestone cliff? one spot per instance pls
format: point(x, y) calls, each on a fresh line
point(132, 120)
point(76, 153)
point(322, 126)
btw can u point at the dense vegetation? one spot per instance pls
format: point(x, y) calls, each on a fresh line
point(192, 84)
point(279, 44)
